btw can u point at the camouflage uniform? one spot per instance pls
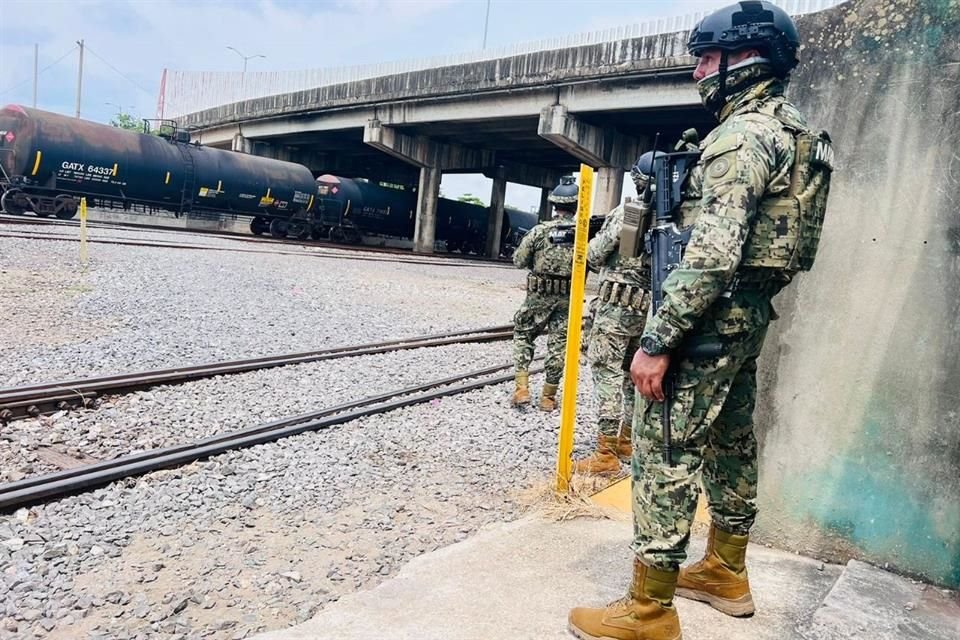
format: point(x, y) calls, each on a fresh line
point(621, 312)
point(718, 294)
point(755, 201)
point(547, 308)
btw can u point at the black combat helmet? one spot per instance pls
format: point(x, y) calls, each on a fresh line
point(644, 164)
point(565, 195)
point(642, 170)
point(747, 24)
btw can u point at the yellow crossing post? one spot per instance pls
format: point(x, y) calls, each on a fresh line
point(568, 407)
point(83, 232)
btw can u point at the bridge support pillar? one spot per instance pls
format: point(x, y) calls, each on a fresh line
point(498, 195)
point(609, 186)
point(546, 207)
point(605, 149)
point(242, 144)
point(425, 227)
point(432, 157)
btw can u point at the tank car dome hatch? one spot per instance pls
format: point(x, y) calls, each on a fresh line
point(327, 184)
point(15, 108)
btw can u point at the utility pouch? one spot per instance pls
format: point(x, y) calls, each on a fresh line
point(636, 221)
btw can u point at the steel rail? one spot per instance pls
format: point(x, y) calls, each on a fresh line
point(240, 237)
point(346, 255)
point(36, 488)
point(33, 400)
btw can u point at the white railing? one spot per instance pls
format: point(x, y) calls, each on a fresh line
point(191, 91)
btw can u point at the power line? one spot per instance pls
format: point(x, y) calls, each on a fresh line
point(120, 73)
point(52, 64)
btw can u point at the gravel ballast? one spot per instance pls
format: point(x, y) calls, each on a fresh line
point(178, 414)
point(142, 308)
point(259, 538)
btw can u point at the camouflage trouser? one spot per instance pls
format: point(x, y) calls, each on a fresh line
point(588, 324)
point(538, 313)
point(712, 420)
point(615, 336)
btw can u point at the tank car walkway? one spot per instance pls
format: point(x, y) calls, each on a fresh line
point(518, 580)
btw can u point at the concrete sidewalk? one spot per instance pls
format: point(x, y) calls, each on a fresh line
point(518, 580)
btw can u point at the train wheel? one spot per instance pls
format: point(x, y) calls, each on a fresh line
point(258, 226)
point(278, 228)
point(297, 229)
point(340, 235)
point(14, 202)
point(64, 206)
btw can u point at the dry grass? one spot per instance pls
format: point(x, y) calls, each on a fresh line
point(543, 499)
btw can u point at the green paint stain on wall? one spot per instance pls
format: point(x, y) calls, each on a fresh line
point(889, 511)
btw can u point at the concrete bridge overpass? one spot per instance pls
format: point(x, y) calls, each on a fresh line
point(526, 118)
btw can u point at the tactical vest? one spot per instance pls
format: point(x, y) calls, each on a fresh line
point(786, 231)
point(555, 257)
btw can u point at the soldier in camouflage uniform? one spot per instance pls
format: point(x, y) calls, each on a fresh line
point(756, 200)
point(547, 251)
point(621, 311)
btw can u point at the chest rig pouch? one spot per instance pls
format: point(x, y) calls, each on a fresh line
point(786, 232)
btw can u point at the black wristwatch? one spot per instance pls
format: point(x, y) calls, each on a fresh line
point(653, 346)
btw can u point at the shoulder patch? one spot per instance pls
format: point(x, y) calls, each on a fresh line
point(719, 167)
point(720, 146)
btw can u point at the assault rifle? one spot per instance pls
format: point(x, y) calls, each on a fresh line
point(564, 234)
point(665, 242)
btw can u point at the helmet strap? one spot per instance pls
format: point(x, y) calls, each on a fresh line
point(723, 75)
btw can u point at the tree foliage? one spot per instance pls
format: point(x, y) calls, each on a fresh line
point(130, 123)
point(469, 198)
point(126, 121)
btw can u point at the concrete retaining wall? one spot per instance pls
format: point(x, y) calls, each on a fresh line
point(859, 414)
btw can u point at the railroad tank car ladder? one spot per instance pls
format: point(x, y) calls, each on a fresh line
point(189, 179)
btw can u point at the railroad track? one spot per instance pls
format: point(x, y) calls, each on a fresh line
point(48, 486)
point(241, 237)
point(344, 255)
point(46, 398)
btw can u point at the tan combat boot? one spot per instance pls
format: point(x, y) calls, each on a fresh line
point(603, 461)
point(521, 395)
point(645, 614)
point(720, 579)
point(548, 398)
point(625, 442)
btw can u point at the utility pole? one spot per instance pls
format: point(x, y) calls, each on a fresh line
point(486, 23)
point(80, 77)
point(36, 57)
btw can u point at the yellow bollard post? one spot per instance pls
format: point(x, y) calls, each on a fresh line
point(571, 371)
point(83, 232)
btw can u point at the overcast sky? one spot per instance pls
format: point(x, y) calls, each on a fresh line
point(128, 44)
